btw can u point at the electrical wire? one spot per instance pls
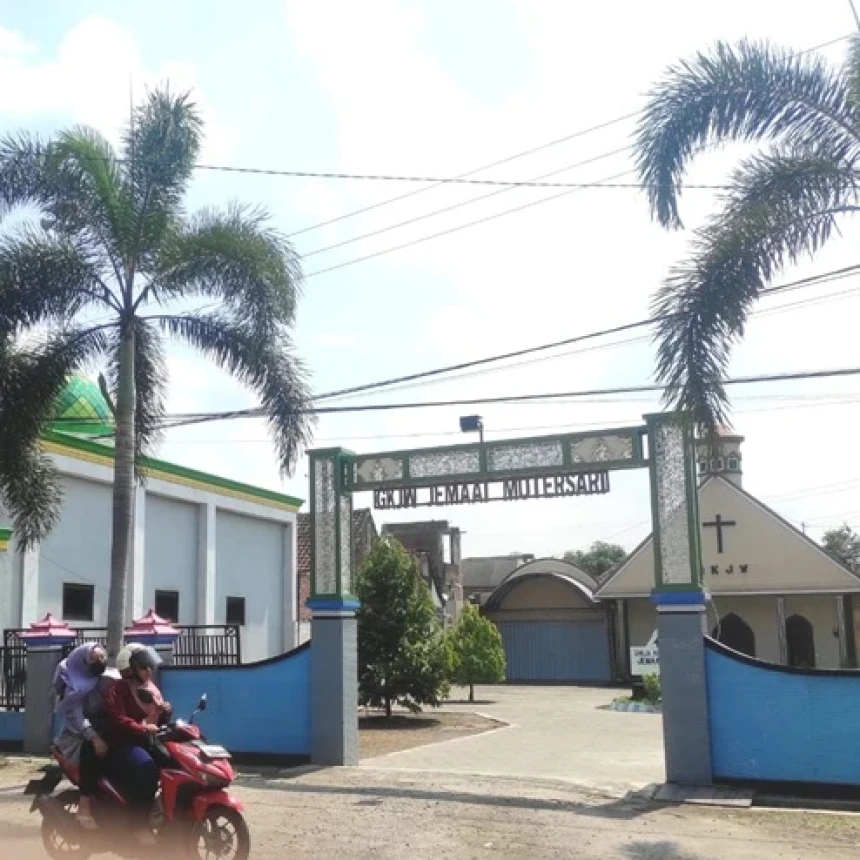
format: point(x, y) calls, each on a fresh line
point(825, 277)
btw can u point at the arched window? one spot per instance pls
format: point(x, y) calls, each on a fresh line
point(800, 642)
point(734, 632)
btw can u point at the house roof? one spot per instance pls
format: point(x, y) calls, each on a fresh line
point(546, 568)
point(762, 553)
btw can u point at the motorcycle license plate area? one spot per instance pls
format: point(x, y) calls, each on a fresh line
point(213, 752)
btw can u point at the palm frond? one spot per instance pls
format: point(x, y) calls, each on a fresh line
point(236, 257)
point(87, 196)
point(48, 277)
point(22, 161)
point(851, 72)
point(783, 205)
point(160, 148)
point(739, 93)
point(266, 365)
point(30, 381)
point(150, 386)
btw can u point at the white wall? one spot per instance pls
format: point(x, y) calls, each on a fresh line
point(250, 562)
point(78, 549)
point(10, 591)
point(170, 554)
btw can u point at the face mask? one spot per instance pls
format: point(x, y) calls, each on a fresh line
point(98, 668)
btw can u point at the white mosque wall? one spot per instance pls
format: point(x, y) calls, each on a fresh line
point(170, 553)
point(252, 563)
point(77, 551)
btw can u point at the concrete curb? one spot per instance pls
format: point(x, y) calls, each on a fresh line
point(634, 708)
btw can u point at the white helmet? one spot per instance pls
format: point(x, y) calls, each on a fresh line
point(123, 659)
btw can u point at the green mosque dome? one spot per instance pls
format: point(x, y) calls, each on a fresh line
point(82, 409)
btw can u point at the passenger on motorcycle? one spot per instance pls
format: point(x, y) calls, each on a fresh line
point(80, 684)
point(135, 711)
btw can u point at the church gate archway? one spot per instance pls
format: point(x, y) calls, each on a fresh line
point(800, 642)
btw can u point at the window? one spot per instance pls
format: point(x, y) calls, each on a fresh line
point(167, 605)
point(734, 632)
point(236, 610)
point(78, 601)
point(800, 642)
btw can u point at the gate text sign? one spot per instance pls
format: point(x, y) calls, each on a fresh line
point(508, 490)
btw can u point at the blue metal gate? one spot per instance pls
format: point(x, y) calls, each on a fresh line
point(557, 651)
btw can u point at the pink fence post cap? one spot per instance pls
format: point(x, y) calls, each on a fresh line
point(152, 628)
point(48, 631)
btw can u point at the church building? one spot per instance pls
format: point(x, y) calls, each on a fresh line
point(775, 593)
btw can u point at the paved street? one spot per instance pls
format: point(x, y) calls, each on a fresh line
point(554, 732)
point(369, 814)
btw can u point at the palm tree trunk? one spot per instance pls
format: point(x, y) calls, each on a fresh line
point(123, 492)
point(471, 692)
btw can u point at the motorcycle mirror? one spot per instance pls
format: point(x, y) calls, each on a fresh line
point(204, 701)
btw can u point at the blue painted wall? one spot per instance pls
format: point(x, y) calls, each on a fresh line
point(11, 726)
point(773, 723)
point(257, 708)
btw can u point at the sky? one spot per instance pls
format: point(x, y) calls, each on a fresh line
point(435, 88)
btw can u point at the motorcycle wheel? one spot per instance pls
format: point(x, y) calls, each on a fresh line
point(64, 843)
point(222, 834)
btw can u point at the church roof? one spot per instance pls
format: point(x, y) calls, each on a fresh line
point(747, 548)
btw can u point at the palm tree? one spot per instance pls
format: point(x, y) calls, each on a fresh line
point(780, 204)
point(112, 265)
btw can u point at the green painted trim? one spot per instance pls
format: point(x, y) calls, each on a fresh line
point(6, 534)
point(312, 552)
point(156, 466)
point(89, 428)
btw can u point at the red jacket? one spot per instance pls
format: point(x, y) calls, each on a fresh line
point(125, 717)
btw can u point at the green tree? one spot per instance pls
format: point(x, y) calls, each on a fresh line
point(598, 558)
point(476, 654)
point(781, 203)
point(111, 266)
point(401, 648)
point(844, 545)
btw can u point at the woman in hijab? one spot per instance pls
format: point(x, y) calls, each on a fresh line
point(80, 683)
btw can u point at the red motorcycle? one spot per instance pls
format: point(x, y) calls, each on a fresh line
point(193, 813)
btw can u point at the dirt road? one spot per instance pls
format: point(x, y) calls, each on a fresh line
point(370, 814)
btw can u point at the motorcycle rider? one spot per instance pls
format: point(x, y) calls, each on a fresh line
point(135, 711)
point(80, 683)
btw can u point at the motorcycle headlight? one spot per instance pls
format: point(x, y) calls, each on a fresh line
point(211, 780)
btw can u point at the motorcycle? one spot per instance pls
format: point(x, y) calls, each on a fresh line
point(193, 814)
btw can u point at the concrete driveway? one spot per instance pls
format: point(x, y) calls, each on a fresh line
point(551, 733)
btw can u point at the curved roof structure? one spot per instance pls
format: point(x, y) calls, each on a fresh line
point(544, 568)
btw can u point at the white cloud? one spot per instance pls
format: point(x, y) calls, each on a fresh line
point(97, 66)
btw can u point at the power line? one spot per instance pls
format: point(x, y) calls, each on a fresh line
point(605, 182)
point(825, 277)
point(469, 202)
point(628, 341)
point(567, 427)
point(523, 154)
point(257, 412)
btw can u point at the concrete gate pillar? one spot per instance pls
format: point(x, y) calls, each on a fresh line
point(46, 641)
point(681, 600)
point(334, 635)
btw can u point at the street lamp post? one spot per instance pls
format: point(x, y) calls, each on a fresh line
point(472, 424)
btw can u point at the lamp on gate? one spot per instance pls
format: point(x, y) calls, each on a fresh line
point(472, 424)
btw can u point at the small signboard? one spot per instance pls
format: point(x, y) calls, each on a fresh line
point(645, 659)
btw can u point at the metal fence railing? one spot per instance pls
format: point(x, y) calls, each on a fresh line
point(13, 677)
point(209, 645)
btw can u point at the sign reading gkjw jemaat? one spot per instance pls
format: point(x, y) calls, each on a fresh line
point(645, 659)
point(507, 490)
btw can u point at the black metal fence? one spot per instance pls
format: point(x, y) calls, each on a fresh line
point(197, 645)
point(13, 677)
